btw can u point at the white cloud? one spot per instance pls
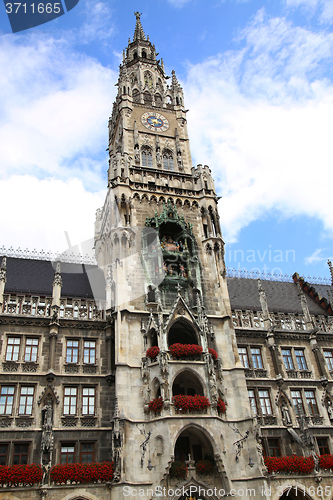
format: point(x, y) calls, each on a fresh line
point(325, 8)
point(315, 257)
point(97, 24)
point(265, 115)
point(55, 103)
point(178, 3)
point(40, 211)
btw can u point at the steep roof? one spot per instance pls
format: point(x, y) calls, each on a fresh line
point(36, 277)
point(80, 280)
point(281, 296)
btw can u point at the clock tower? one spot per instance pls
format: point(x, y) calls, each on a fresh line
point(180, 391)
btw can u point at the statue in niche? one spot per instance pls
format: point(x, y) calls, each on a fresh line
point(47, 439)
point(285, 414)
point(329, 409)
point(136, 153)
point(158, 157)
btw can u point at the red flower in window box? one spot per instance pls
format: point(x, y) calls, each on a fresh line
point(152, 352)
point(17, 475)
point(326, 462)
point(178, 469)
point(204, 466)
point(292, 465)
point(213, 353)
point(82, 473)
point(221, 406)
point(156, 405)
point(184, 403)
point(185, 350)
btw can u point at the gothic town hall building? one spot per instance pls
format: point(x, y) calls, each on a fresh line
point(191, 383)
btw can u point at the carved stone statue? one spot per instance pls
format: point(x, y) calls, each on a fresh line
point(285, 415)
point(329, 409)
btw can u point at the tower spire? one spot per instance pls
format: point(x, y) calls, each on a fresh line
point(138, 32)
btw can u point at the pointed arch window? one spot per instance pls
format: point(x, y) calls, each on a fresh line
point(134, 79)
point(148, 79)
point(146, 157)
point(136, 95)
point(147, 98)
point(168, 160)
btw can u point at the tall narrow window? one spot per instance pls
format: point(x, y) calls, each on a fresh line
point(168, 160)
point(88, 401)
point(273, 447)
point(265, 402)
point(3, 453)
point(70, 400)
point(20, 455)
point(300, 359)
point(287, 359)
point(31, 349)
point(72, 351)
point(329, 359)
point(323, 446)
point(253, 403)
point(26, 400)
point(297, 402)
point(13, 348)
point(256, 357)
point(67, 453)
point(89, 351)
point(312, 403)
point(87, 453)
point(147, 158)
point(242, 351)
point(6, 400)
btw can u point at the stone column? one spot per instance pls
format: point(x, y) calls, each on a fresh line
point(3, 279)
point(55, 307)
point(322, 367)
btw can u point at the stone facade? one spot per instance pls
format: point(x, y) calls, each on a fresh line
point(77, 382)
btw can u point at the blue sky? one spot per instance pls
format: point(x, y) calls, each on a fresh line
point(257, 77)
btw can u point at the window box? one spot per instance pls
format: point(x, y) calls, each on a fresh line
point(152, 352)
point(183, 403)
point(82, 473)
point(156, 405)
point(204, 466)
point(291, 465)
point(20, 475)
point(179, 351)
point(178, 469)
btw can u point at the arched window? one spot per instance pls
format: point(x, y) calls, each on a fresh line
point(136, 95)
point(159, 84)
point(182, 332)
point(158, 100)
point(144, 54)
point(135, 55)
point(134, 79)
point(147, 98)
point(192, 441)
point(148, 79)
point(168, 160)
point(146, 157)
point(188, 384)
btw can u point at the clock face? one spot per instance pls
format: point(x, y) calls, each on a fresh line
point(155, 121)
